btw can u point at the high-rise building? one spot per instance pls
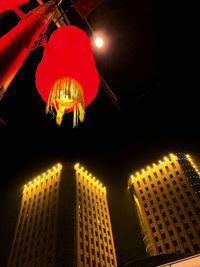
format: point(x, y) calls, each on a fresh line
point(95, 245)
point(35, 236)
point(166, 196)
point(63, 221)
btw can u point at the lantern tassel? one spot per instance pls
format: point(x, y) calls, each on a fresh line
point(75, 117)
point(66, 94)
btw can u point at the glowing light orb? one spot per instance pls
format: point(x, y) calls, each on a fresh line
point(98, 41)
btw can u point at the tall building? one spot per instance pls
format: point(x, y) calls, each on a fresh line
point(63, 221)
point(166, 196)
point(35, 236)
point(95, 245)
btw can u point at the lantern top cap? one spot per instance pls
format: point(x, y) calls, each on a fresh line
point(69, 37)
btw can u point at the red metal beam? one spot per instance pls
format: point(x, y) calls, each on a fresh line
point(85, 7)
point(17, 43)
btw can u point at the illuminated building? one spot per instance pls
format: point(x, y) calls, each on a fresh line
point(166, 196)
point(63, 221)
point(95, 245)
point(35, 237)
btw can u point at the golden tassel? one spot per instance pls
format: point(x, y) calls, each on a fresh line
point(66, 93)
point(74, 122)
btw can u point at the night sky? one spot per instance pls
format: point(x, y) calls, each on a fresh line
point(145, 63)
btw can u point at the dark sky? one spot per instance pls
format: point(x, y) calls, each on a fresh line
point(145, 63)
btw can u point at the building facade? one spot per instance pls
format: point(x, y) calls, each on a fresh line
point(166, 196)
point(95, 245)
point(63, 221)
point(35, 236)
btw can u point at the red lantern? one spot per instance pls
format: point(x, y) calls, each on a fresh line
point(9, 4)
point(66, 77)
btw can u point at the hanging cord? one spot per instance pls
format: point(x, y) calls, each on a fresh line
point(42, 40)
point(89, 26)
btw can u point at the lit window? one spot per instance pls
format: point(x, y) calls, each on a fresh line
point(173, 165)
point(167, 168)
point(161, 172)
point(144, 181)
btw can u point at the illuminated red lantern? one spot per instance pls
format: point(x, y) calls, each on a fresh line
point(9, 4)
point(66, 77)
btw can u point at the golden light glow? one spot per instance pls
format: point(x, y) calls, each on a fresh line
point(98, 41)
point(76, 165)
point(89, 176)
point(192, 163)
point(148, 168)
point(38, 178)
